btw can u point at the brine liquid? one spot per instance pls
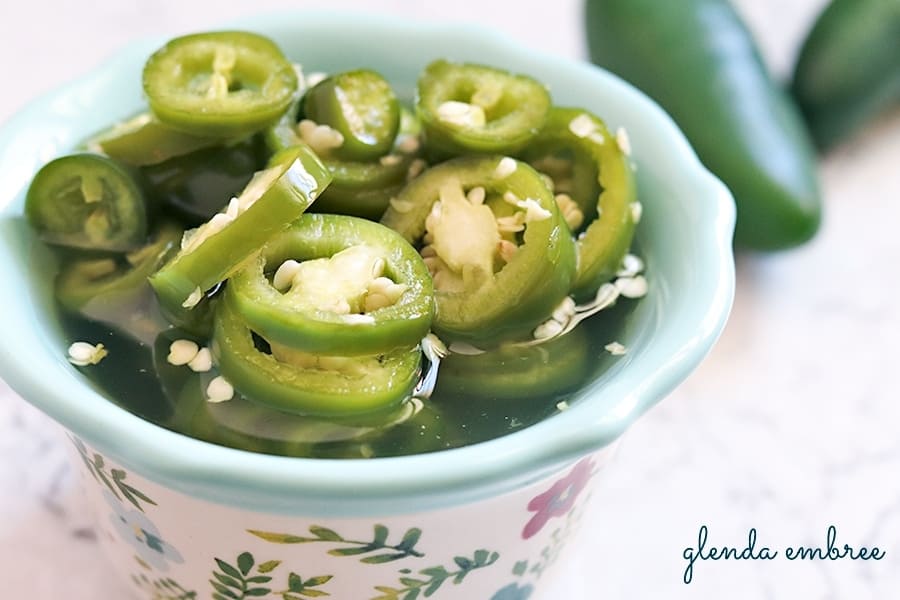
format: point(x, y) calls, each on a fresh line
point(477, 398)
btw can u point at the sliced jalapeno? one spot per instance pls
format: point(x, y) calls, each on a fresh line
point(196, 184)
point(360, 189)
point(298, 382)
point(595, 190)
point(273, 199)
point(145, 140)
point(87, 201)
point(102, 281)
point(358, 288)
point(219, 84)
point(279, 432)
point(494, 240)
point(517, 372)
point(113, 289)
point(468, 108)
point(361, 107)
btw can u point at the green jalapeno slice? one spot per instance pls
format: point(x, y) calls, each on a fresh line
point(290, 434)
point(595, 191)
point(516, 372)
point(113, 289)
point(209, 254)
point(336, 285)
point(361, 108)
point(87, 201)
point(102, 282)
point(314, 384)
point(219, 84)
point(467, 108)
point(360, 189)
point(494, 240)
point(145, 140)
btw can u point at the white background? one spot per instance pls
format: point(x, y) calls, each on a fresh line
point(791, 425)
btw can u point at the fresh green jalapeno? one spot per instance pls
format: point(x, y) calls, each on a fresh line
point(698, 60)
point(336, 285)
point(361, 107)
point(500, 254)
point(145, 140)
point(195, 185)
point(219, 84)
point(271, 201)
point(299, 382)
point(87, 201)
point(848, 68)
point(516, 372)
point(360, 189)
point(596, 194)
point(474, 109)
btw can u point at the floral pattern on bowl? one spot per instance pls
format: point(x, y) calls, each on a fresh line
point(154, 534)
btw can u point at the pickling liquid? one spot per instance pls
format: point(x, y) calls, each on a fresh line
point(477, 398)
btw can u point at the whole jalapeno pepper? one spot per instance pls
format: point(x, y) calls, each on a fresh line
point(475, 109)
point(500, 254)
point(848, 69)
point(697, 59)
point(272, 200)
point(219, 84)
point(311, 384)
point(89, 202)
point(598, 198)
point(336, 285)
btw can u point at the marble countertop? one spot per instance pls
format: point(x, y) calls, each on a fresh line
point(791, 425)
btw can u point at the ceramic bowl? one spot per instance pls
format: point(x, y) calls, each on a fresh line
point(186, 519)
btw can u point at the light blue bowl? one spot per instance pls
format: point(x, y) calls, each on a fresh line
point(684, 236)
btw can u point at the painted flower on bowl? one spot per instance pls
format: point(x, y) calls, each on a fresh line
point(513, 592)
point(559, 499)
point(135, 528)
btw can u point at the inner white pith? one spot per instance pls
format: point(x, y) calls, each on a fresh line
point(220, 80)
point(97, 224)
point(469, 237)
point(321, 138)
point(351, 366)
point(472, 114)
point(352, 283)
